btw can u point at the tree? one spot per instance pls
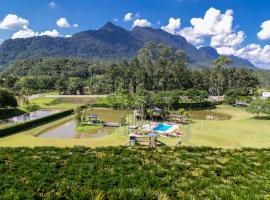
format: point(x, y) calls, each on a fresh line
point(78, 115)
point(234, 94)
point(74, 85)
point(7, 98)
point(218, 76)
point(257, 107)
point(26, 87)
point(61, 85)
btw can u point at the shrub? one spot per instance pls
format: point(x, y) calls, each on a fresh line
point(134, 173)
point(7, 98)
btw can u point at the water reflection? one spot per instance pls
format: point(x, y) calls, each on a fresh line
point(28, 116)
point(68, 130)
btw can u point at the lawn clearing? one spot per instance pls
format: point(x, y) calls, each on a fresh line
point(241, 131)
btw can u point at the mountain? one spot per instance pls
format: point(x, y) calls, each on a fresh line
point(110, 42)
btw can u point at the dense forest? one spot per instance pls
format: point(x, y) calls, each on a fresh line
point(156, 67)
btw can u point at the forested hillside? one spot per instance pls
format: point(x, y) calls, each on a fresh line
point(156, 67)
point(108, 43)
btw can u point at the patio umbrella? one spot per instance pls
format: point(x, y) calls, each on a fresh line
point(152, 134)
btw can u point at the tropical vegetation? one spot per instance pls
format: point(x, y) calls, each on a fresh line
point(138, 173)
point(156, 67)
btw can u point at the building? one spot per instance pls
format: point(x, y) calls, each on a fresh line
point(265, 95)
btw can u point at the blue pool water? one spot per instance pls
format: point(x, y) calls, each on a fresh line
point(162, 127)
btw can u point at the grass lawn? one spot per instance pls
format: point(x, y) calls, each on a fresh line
point(46, 103)
point(87, 128)
point(62, 102)
point(241, 131)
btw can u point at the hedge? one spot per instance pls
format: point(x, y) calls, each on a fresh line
point(34, 123)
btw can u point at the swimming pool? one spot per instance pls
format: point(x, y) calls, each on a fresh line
point(162, 127)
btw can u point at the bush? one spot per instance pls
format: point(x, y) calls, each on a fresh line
point(195, 105)
point(7, 98)
point(33, 123)
point(237, 94)
point(10, 112)
point(134, 173)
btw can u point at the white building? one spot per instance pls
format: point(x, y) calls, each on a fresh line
point(265, 95)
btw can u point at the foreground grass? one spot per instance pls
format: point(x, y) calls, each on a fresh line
point(123, 173)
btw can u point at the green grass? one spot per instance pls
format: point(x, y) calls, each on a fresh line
point(49, 103)
point(88, 128)
point(62, 102)
point(43, 102)
point(241, 131)
point(134, 173)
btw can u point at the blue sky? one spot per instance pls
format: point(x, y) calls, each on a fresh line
point(231, 26)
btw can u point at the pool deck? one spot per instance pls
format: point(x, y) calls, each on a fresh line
point(149, 127)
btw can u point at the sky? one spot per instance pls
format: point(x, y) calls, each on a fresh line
point(233, 27)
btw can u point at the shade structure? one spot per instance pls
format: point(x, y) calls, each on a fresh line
point(92, 116)
point(152, 134)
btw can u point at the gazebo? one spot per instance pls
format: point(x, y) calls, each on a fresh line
point(93, 119)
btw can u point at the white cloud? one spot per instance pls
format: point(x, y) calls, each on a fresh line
point(141, 23)
point(115, 19)
point(264, 34)
point(213, 23)
point(52, 33)
point(12, 21)
point(225, 50)
point(227, 40)
point(52, 4)
point(24, 33)
point(27, 32)
point(63, 23)
point(190, 36)
point(258, 55)
point(68, 36)
point(128, 17)
point(173, 25)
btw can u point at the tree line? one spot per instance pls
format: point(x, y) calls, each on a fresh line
point(156, 67)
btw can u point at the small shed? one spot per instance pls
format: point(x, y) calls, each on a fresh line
point(93, 119)
point(177, 118)
point(265, 95)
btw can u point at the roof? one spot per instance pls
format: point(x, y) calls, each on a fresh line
point(92, 116)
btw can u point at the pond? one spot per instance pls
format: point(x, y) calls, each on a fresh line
point(28, 116)
point(68, 130)
point(208, 115)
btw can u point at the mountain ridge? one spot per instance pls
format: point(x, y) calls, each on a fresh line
point(110, 42)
